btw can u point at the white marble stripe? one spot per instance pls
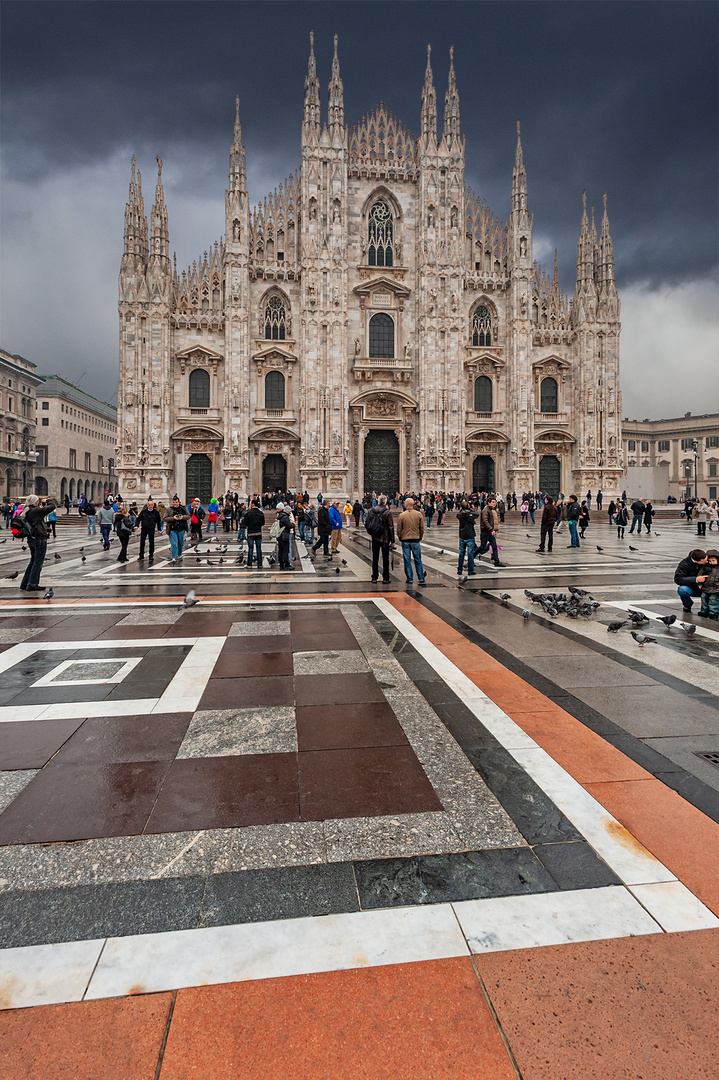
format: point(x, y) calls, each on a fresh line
point(188, 685)
point(139, 601)
point(674, 907)
point(625, 855)
point(46, 974)
point(526, 922)
point(221, 954)
point(76, 710)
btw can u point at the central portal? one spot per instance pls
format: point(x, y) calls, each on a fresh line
point(483, 473)
point(274, 473)
point(381, 462)
point(198, 478)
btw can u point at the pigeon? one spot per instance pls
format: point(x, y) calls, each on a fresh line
point(81, 550)
point(599, 548)
point(189, 601)
point(240, 559)
point(84, 558)
point(24, 548)
point(11, 577)
point(577, 592)
point(312, 557)
point(271, 560)
point(633, 549)
point(526, 613)
point(441, 551)
point(337, 570)
point(504, 597)
point(689, 628)
point(463, 580)
point(643, 639)
point(614, 627)
point(668, 620)
point(656, 533)
point(58, 557)
point(529, 535)
point(49, 594)
point(4, 541)
point(344, 562)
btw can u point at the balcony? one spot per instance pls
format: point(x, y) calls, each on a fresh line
point(390, 368)
point(551, 418)
point(495, 418)
point(286, 416)
point(210, 415)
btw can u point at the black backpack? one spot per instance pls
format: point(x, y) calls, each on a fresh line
point(374, 523)
point(20, 528)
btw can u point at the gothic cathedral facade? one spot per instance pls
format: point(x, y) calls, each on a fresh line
point(371, 325)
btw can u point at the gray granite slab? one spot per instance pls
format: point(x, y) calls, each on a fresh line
point(89, 671)
point(288, 892)
point(297, 843)
point(256, 629)
point(347, 661)
point(12, 782)
point(226, 732)
point(381, 837)
point(8, 636)
point(151, 616)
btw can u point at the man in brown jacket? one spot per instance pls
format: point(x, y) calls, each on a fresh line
point(488, 525)
point(410, 530)
point(549, 520)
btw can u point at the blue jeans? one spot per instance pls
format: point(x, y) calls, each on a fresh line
point(488, 540)
point(637, 520)
point(686, 592)
point(91, 524)
point(105, 532)
point(177, 542)
point(531, 514)
point(254, 543)
point(573, 533)
point(411, 550)
point(468, 546)
point(208, 526)
point(38, 547)
point(301, 528)
point(241, 535)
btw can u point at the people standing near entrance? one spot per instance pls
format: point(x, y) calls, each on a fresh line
point(573, 511)
point(638, 512)
point(584, 518)
point(600, 499)
point(410, 530)
point(611, 510)
point(35, 513)
point(621, 518)
point(357, 512)
point(177, 519)
point(488, 527)
point(467, 537)
point(197, 515)
point(336, 521)
point(253, 521)
point(324, 528)
point(149, 521)
point(589, 499)
point(550, 514)
point(380, 525)
point(213, 512)
point(648, 515)
point(283, 538)
point(524, 511)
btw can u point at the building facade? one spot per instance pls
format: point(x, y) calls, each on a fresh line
point(18, 383)
point(76, 437)
point(371, 325)
point(665, 457)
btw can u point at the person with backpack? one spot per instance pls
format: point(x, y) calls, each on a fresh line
point(106, 519)
point(197, 515)
point(213, 511)
point(467, 537)
point(281, 531)
point(34, 531)
point(380, 525)
point(310, 522)
point(324, 529)
point(52, 524)
point(124, 529)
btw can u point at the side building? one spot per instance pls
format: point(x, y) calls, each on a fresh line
point(672, 457)
point(76, 436)
point(18, 383)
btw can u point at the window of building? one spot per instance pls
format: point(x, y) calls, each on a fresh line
point(712, 441)
point(73, 459)
point(88, 463)
point(549, 396)
point(481, 326)
point(275, 319)
point(663, 446)
point(645, 447)
point(9, 443)
point(483, 394)
point(199, 389)
point(712, 468)
point(100, 463)
point(631, 445)
point(9, 404)
point(687, 444)
point(46, 405)
point(45, 421)
point(275, 390)
point(381, 336)
point(41, 459)
point(380, 239)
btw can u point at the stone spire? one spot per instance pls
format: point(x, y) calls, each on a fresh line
point(159, 234)
point(606, 250)
point(336, 111)
point(519, 177)
point(585, 249)
point(238, 175)
point(428, 129)
point(135, 223)
point(451, 104)
point(311, 123)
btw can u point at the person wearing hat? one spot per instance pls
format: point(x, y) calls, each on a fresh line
point(336, 522)
point(196, 516)
point(35, 513)
point(283, 540)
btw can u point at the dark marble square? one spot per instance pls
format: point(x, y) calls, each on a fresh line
point(257, 665)
point(245, 693)
point(32, 620)
point(575, 865)
point(269, 614)
point(363, 782)
point(336, 689)
point(326, 642)
point(201, 624)
point(60, 693)
point(435, 691)
point(78, 802)
point(29, 744)
point(464, 875)
point(84, 912)
point(288, 892)
point(324, 727)
point(643, 755)
point(263, 643)
point(226, 793)
point(125, 738)
point(120, 633)
point(463, 725)
point(533, 812)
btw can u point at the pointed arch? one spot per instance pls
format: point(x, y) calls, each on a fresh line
point(483, 323)
point(275, 315)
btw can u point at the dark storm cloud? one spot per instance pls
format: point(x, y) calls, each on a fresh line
point(615, 97)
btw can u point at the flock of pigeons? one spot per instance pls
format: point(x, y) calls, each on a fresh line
point(639, 619)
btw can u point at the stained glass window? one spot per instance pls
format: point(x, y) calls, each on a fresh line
point(275, 320)
point(481, 326)
point(381, 236)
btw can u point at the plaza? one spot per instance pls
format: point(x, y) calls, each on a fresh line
point(311, 826)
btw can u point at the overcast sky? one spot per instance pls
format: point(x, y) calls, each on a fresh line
point(615, 97)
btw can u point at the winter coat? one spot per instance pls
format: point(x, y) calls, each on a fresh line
point(466, 519)
point(253, 521)
point(687, 571)
point(324, 524)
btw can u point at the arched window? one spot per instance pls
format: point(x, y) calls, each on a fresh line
point(275, 390)
point(548, 396)
point(199, 389)
point(380, 241)
point(381, 336)
point(481, 326)
point(483, 394)
point(275, 319)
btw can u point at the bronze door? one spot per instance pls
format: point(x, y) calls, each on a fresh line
point(198, 478)
point(483, 473)
point(274, 473)
point(381, 462)
point(549, 475)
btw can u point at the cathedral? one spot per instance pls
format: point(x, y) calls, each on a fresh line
point(370, 325)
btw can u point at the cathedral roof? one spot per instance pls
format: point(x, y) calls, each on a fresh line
point(381, 145)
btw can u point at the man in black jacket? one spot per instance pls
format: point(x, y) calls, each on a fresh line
point(689, 578)
point(149, 521)
point(324, 529)
point(638, 515)
point(252, 523)
point(35, 513)
point(573, 511)
point(467, 537)
point(380, 514)
point(283, 540)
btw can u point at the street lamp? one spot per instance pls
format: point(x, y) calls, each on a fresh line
point(27, 453)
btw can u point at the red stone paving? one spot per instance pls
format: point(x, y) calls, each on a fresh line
point(118, 1039)
point(629, 1009)
point(423, 1021)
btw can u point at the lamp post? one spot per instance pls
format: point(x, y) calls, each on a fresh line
point(27, 453)
point(109, 476)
